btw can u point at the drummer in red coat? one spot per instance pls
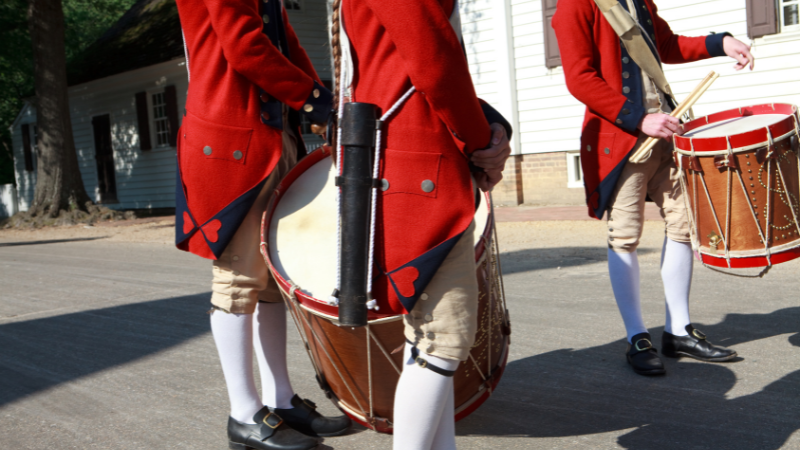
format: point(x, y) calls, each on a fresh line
point(623, 108)
point(434, 142)
point(249, 82)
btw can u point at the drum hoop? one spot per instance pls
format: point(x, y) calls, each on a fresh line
point(744, 149)
point(335, 319)
point(683, 144)
point(754, 253)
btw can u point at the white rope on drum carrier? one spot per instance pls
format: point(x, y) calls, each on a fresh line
point(371, 304)
point(186, 53)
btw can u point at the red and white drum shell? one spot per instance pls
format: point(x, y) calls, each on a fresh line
point(740, 175)
point(357, 367)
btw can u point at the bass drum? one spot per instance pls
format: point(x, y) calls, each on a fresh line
point(359, 367)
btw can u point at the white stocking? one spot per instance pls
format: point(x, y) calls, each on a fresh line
point(623, 269)
point(420, 401)
point(676, 272)
point(233, 334)
point(445, 436)
point(270, 345)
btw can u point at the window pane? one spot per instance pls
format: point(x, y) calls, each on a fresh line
point(791, 15)
point(160, 121)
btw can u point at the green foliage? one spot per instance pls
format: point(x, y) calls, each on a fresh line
point(85, 21)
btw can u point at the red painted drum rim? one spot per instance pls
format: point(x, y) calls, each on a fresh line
point(750, 262)
point(740, 141)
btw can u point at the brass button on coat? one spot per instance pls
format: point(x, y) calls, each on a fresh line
point(626, 60)
point(235, 258)
point(427, 186)
point(385, 186)
point(308, 108)
point(588, 148)
point(265, 116)
point(430, 348)
point(316, 93)
point(626, 90)
point(428, 318)
point(264, 97)
point(619, 121)
point(207, 150)
point(265, 18)
point(424, 296)
point(626, 111)
point(606, 151)
point(430, 335)
point(237, 155)
point(626, 75)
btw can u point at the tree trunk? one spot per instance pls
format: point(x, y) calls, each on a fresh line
point(58, 180)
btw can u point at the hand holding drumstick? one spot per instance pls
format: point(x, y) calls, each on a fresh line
point(660, 125)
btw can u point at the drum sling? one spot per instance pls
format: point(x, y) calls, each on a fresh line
point(630, 34)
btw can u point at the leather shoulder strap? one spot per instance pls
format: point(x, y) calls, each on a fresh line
point(631, 35)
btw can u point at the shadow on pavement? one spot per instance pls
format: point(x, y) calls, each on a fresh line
point(582, 392)
point(52, 241)
point(42, 353)
point(527, 260)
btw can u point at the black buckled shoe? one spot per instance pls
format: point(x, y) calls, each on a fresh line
point(305, 419)
point(643, 358)
point(268, 433)
point(695, 345)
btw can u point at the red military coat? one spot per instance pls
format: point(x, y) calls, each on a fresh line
point(245, 63)
point(396, 44)
point(600, 74)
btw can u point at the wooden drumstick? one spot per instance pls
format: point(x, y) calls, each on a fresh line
point(693, 97)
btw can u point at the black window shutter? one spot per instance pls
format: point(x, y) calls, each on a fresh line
point(552, 57)
point(144, 121)
point(171, 97)
point(761, 18)
point(26, 147)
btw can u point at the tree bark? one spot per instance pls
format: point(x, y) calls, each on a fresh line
point(58, 179)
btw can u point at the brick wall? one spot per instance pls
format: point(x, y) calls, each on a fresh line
point(537, 179)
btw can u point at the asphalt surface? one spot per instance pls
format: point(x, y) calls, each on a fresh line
point(106, 345)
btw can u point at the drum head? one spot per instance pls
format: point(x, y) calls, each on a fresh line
point(302, 235)
point(736, 125)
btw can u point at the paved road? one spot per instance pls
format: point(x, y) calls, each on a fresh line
point(106, 345)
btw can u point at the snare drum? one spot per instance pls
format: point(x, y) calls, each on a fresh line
point(739, 174)
point(359, 367)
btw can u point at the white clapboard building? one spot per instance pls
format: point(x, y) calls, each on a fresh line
point(126, 95)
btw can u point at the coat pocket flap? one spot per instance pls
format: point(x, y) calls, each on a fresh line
point(215, 141)
point(411, 173)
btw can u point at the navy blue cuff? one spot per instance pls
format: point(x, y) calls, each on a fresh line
point(714, 44)
point(493, 116)
point(318, 105)
point(629, 116)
